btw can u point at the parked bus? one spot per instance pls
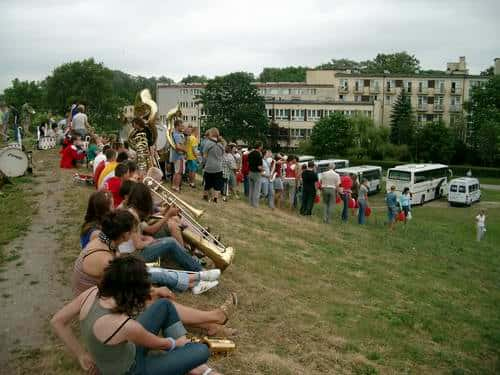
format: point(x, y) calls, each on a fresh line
point(464, 191)
point(372, 173)
point(323, 165)
point(426, 181)
point(304, 159)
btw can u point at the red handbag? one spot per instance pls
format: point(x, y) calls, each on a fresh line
point(317, 199)
point(338, 200)
point(401, 216)
point(352, 203)
point(368, 211)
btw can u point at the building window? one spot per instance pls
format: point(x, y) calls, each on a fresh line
point(388, 99)
point(440, 86)
point(408, 86)
point(421, 86)
point(455, 87)
point(420, 119)
point(193, 118)
point(341, 97)
point(358, 85)
point(357, 98)
point(390, 85)
point(376, 85)
point(344, 85)
point(421, 102)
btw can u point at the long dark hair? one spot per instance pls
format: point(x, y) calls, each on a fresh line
point(114, 224)
point(140, 199)
point(98, 206)
point(126, 280)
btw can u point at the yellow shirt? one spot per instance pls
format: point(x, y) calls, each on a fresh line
point(191, 144)
point(109, 168)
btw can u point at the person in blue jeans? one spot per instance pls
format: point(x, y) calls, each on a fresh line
point(362, 201)
point(392, 207)
point(116, 343)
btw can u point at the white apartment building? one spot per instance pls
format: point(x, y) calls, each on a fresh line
point(296, 106)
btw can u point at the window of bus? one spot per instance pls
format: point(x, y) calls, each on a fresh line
point(400, 175)
point(453, 188)
point(371, 175)
point(461, 189)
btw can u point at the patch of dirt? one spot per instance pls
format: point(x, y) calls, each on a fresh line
point(31, 290)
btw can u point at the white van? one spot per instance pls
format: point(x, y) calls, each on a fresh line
point(304, 159)
point(464, 191)
point(323, 165)
point(372, 173)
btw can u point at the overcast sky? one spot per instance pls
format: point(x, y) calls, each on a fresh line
point(176, 38)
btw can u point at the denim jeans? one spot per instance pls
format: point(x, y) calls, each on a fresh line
point(168, 247)
point(307, 202)
point(254, 184)
point(361, 212)
point(345, 209)
point(245, 185)
point(162, 316)
point(267, 188)
point(174, 280)
point(329, 195)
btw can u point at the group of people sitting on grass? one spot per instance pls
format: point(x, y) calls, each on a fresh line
point(124, 300)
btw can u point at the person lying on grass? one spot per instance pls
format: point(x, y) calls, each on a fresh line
point(116, 228)
point(119, 331)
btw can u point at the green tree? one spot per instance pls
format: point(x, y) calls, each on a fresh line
point(25, 92)
point(402, 121)
point(340, 64)
point(435, 143)
point(194, 79)
point(399, 63)
point(234, 105)
point(89, 83)
point(287, 74)
point(484, 121)
point(488, 72)
point(333, 135)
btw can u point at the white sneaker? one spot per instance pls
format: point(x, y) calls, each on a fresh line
point(210, 275)
point(203, 286)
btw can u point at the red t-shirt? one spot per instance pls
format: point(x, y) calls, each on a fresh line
point(68, 156)
point(113, 185)
point(289, 172)
point(98, 171)
point(346, 183)
point(245, 167)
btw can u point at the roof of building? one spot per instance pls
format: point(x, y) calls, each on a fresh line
point(301, 101)
point(396, 75)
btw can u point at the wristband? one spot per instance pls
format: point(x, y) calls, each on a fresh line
point(172, 341)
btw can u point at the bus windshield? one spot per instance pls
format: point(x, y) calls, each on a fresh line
point(399, 175)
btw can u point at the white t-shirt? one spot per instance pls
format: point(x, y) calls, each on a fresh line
point(481, 220)
point(329, 179)
point(100, 157)
point(79, 121)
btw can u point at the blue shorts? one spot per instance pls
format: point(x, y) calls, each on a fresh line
point(191, 166)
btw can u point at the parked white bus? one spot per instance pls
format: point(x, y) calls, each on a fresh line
point(323, 165)
point(304, 159)
point(426, 181)
point(464, 191)
point(372, 173)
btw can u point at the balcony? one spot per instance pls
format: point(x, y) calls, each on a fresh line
point(438, 108)
point(455, 108)
point(358, 89)
point(344, 89)
point(422, 107)
point(375, 90)
point(456, 91)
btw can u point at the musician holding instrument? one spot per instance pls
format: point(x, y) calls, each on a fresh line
point(119, 331)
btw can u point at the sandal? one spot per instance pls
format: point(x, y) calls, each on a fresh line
point(223, 331)
point(229, 306)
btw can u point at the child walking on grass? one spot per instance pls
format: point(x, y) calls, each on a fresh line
point(480, 225)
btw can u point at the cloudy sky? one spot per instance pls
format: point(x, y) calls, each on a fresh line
point(174, 38)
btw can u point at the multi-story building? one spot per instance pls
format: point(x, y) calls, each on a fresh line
point(296, 106)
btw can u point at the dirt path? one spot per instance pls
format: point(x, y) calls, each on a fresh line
point(33, 291)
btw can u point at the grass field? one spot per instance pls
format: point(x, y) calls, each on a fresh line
point(340, 298)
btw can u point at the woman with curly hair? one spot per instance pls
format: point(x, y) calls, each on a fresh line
point(117, 338)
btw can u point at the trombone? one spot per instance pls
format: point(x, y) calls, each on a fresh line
point(195, 234)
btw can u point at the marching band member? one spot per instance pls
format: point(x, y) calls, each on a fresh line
point(71, 153)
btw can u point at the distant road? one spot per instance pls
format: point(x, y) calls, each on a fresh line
point(490, 187)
